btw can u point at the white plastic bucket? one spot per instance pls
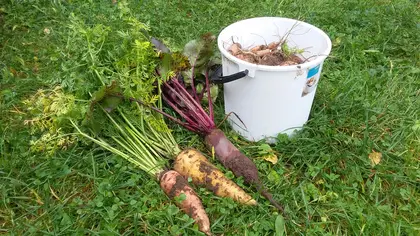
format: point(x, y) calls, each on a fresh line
point(271, 99)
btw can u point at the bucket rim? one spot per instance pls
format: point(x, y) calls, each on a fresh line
point(318, 60)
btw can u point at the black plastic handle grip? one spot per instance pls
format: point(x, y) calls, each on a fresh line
point(217, 77)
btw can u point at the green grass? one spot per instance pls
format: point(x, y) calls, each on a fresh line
point(368, 100)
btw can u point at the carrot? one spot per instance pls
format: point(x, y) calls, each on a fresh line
point(191, 163)
point(140, 147)
point(174, 185)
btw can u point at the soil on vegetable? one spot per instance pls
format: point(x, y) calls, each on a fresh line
point(238, 163)
point(189, 206)
point(273, 54)
point(243, 166)
point(208, 170)
point(231, 157)
point(180, 184)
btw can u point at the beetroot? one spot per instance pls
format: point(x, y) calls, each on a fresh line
point(237, 162)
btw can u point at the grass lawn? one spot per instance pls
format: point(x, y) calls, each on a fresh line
point(367, 103)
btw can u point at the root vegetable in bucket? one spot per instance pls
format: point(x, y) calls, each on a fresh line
point(277, 53)
point(273, 54)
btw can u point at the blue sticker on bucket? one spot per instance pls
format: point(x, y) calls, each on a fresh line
point(311, 80)
point(313, 71)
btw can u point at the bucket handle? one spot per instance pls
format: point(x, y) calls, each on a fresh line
point(218, 78)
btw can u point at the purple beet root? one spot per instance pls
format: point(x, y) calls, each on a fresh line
point(237, 162)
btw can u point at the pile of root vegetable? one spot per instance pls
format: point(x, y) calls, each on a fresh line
point(117, 104)
point(272, 54)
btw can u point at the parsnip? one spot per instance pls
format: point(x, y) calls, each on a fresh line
point(191, 163)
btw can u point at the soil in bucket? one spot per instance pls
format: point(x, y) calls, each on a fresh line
point(272, 54)
point(276, 53)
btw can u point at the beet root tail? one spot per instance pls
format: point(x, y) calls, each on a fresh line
point(270, 198)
